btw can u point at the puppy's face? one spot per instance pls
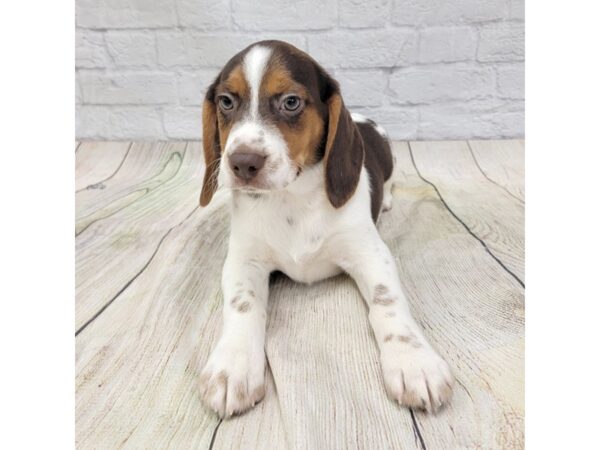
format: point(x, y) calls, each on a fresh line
point(271, 112)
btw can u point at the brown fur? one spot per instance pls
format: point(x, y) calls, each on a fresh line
point(344, 153)
point(212, 151)
point(324, 129)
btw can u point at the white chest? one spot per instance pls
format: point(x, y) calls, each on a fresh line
point(298, 230)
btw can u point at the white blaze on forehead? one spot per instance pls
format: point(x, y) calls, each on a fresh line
point(255, 63)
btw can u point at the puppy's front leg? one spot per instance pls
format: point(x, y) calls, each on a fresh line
point(413, 373)
point(234, 376)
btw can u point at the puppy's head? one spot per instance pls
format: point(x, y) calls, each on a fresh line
point(270, 113)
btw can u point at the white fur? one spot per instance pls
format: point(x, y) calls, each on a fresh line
point(252, 132)
point(359, 118)
point(296, 230)
point(255, 63)
point(284, 221)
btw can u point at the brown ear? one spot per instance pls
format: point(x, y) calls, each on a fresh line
point(344, 153)
point(211, 145)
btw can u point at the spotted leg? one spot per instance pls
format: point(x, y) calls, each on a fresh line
point(233, 379)
point(413, 373)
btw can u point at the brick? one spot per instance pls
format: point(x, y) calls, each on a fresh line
point(501, 42)
point(481, 119)
point(192, 86)
point(364, 48)
point(194, 49)
point(511, 81)
point(125, 13)
point(183, 123)
point(118, 122)
point(131, 48)
point(400, 122)
point(447, 44)
point(128, 88)
point(365, 88)
point(517, 9)
point(441, 83)
point(204, 14)
point(78, 95)
point(363, 13)
point(90, 52)
point(443, 12)
point(284, 14)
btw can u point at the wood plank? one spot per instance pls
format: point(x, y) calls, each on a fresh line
point(119, 227)
point(137, 363)
point(472, 310)
point(489, 212)
point(324, 360)
point(97, 161)
point(503, 163)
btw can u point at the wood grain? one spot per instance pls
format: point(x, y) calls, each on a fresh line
point(503, 163)
point(97, 161)
point(486, 209)
point(119, 225)
point(137, 362)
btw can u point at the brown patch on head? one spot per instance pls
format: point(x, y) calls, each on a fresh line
point(236, 83)
point(216, 127)
point(233, 83)
point(304, 133)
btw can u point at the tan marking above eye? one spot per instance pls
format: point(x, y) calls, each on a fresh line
point(236, 82)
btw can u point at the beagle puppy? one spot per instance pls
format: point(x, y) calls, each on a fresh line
point(308, 181)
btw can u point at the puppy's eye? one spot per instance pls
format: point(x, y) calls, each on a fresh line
point(226, 102)
point(291, 104)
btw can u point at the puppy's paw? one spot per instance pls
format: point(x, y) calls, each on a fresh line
point(233, 379)
point(416, 377)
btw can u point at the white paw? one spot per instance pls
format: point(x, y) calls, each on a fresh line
point(416, 376)
point(233, 379)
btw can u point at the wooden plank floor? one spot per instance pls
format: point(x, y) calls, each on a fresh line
point(148, 308)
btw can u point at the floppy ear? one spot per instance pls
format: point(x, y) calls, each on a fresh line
point(344, 151)
point(211, 145)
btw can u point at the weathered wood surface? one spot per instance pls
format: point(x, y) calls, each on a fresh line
point(503, 163)
point(137, 361)
point(486, 209)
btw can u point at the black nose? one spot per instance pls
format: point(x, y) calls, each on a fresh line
point(246, 165)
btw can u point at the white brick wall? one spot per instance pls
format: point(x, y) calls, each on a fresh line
point(424, 69)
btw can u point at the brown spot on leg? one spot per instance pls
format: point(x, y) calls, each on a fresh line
point(411, 340)
point(240, 392)
point(251, 294)
point(235, 300)
point(222, 379)
point(243, 307)
point(382, 296)
point(388, 337)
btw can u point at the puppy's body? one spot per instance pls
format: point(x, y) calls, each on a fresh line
point(308, 183)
